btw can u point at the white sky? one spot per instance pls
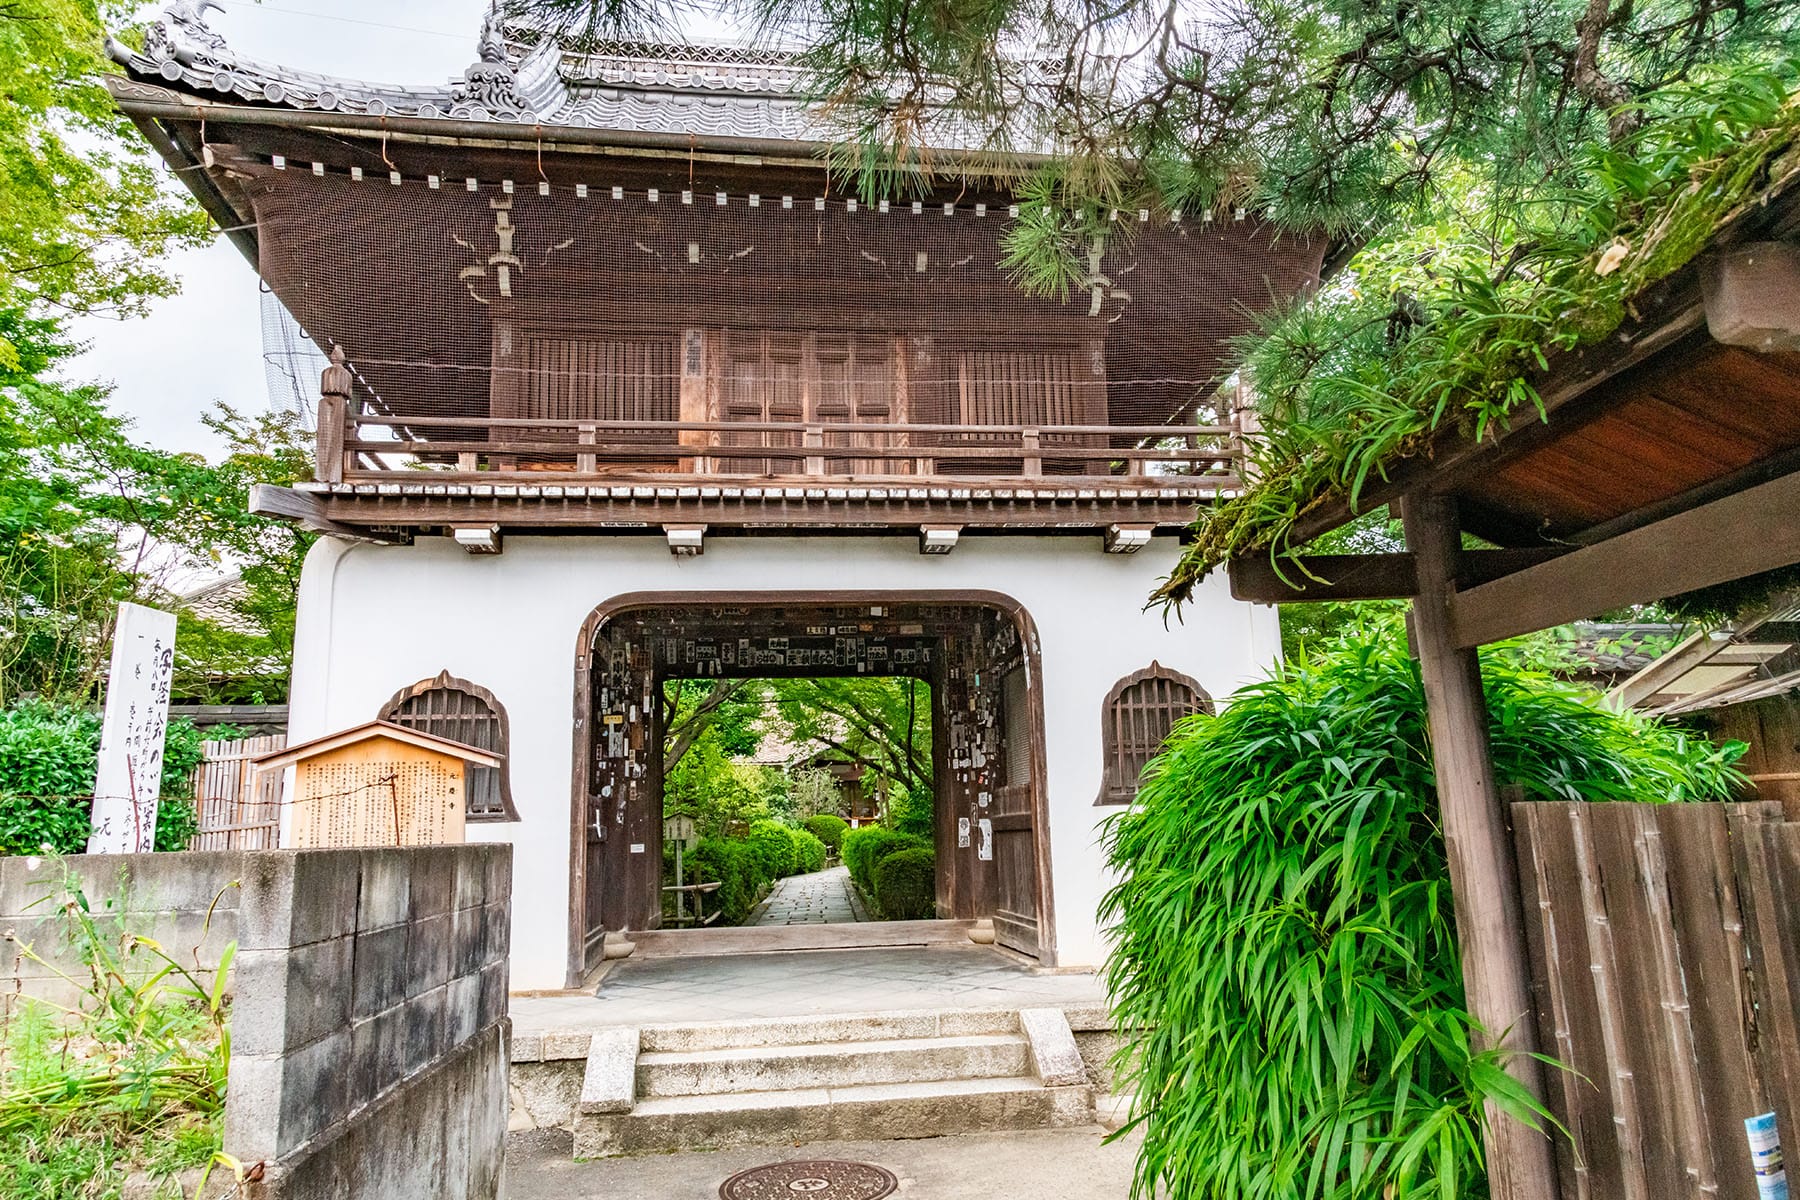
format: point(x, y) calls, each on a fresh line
point(206, 343)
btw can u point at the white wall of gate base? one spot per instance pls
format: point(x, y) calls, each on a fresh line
point(374, 619)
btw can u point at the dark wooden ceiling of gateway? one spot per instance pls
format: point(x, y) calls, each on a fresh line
point(780, 640)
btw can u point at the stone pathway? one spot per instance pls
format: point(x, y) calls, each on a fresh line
point(821, 898)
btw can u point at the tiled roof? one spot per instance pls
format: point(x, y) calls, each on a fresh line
point(522, 77)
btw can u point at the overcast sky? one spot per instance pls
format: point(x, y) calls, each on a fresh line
point(206, 343)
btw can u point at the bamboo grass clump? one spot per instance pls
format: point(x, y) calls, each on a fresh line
point(1285, 975)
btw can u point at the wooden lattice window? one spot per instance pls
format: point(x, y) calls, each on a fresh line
point(1135, 721)
point(464, 712)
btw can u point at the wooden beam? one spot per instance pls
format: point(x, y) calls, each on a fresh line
point(1484, 878)
point(1313, 577)
point(1342, 577)
point(305, 510)
point(1754, 531)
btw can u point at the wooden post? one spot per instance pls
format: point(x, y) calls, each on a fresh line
point(1033, 465)
point(814, 439)
point(1484, 879)
point(334, 415)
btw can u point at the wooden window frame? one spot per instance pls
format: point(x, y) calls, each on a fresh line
point(444, 681)
point(1115, 792)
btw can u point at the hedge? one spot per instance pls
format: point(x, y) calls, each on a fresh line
point(906, 885)
point(745, 867)
point(828, 828)
point(732, 864)
point(48, 757)
point(808, 850)
point(865, 847)
point(773, 845)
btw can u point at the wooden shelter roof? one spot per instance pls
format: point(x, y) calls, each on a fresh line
point(1664, 459)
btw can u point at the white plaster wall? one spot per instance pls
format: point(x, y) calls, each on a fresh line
point(374, 619)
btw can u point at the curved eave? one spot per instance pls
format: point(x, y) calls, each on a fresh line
point(145, 101)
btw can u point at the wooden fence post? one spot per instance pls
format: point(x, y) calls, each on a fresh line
point(1484, 876)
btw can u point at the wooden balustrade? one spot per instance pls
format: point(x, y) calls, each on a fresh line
point(365, 447)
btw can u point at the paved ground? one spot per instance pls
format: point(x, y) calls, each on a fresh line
point(821, 898)
point(1062, 1164)
point(730, 987)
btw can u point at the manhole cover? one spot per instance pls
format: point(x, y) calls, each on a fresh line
point(814, 1180)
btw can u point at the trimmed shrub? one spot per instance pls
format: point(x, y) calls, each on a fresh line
point(773, 845)
point(809, 852)
point(828, 828)
point(906, 885)
point(731, 863)
point(867, 846)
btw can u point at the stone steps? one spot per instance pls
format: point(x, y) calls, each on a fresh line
point(867, 1112)
point(794, 1079)
point(843, 1064)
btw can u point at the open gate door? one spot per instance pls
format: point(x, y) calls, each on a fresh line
point(1014, 834)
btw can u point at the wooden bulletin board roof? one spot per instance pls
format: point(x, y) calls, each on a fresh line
point(278, 759)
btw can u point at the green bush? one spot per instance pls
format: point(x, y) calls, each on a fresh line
point(865, 847)
point(828, 828)
point(906, 885)
point(48, 756)
point(773, 846)
point(809, 852)
point(731, 863)
point(1285, 957)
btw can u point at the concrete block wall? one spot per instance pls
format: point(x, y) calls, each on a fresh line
point(369, 1014)
point(369, 1050)
point(184, 901)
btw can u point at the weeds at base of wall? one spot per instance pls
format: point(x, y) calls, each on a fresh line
point(126, 1083)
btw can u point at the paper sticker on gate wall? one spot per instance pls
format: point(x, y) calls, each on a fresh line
point(987, 840)
point(962, 833)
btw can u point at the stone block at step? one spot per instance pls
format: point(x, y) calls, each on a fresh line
point(799, 1031)
point(869, 1113)
point(608, 1085)
point(1054, 1055)
point(837, 1064)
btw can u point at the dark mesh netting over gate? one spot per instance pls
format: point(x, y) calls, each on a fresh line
point(610, 329)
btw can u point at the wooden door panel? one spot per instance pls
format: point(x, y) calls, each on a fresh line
point(1012, 820)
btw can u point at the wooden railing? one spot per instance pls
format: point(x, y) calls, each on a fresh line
point(462, 448)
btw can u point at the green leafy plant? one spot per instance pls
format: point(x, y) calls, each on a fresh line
point(48, 758)
point(1285, 968)
point(906, 885)
point(131, 1077)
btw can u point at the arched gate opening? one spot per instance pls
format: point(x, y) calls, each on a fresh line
point(977, 650)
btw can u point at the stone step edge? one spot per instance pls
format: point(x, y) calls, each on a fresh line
point(828, 1028)
point(801, 1050)
point(863, 1093)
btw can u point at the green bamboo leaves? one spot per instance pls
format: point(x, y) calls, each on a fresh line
point(1285, 965)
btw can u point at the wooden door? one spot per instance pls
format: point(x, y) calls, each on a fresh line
point(1012, 818)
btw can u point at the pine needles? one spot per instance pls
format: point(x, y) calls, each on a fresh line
point(1285, 971)
point(1449, 328)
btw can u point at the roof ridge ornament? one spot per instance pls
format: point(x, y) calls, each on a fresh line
point(490, 82)
point(183, 36)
